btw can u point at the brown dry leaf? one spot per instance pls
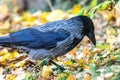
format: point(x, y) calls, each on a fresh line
point(108, 15)
point(3, 63)
point(70, 77)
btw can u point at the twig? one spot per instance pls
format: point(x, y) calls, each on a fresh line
point(50, 5)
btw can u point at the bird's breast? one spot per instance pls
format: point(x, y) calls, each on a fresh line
point(65, 47)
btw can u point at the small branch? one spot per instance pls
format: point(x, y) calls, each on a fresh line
point(83, 2)
point(50, 5)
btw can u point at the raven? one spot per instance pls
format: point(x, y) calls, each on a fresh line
point(52, 39)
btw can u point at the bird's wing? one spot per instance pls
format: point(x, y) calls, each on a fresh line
point(35, 39)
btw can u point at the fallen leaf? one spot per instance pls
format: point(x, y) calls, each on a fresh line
point(76, 8)
point(10, 77)
point(70, 77)
point(46, 71)
point(87, 77)
point(86, 51)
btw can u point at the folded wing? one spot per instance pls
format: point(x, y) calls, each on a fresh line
point(35, 39)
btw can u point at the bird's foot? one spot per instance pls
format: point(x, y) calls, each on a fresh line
point(60, 68)
point(46, 61)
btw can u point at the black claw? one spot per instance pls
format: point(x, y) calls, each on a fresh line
point(45, 62)
point(60, 68)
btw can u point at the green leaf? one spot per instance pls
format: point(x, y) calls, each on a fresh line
point(93, 68)
point(105, 5)
point(102, 46)
point(116, 77)
point(93, 3)
point(81, 12)
point(91, 14)
point(28, 77)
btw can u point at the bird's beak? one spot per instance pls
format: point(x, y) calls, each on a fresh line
point(91, 36)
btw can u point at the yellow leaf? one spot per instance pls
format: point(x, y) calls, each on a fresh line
point(20, 64)
point(110, 31)
point(31, 19)
point(11, 65)
point(44, 16)
point(3, 52)
point(87, 77)
point(93, 3)
point(109, 15)
point(72, 52)
point(76, 9)
point(56, 15)
point(13, 55)
point(82, 62)
point(10, 77)
point(111, 39)
point(46, 71)
point(113, 58)
point(86, 51)
point(70, 77)
point(5, 57)
point(68, 63)
point(91, 61)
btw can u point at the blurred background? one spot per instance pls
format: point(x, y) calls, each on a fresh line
point(17, 14)
point(47, 5)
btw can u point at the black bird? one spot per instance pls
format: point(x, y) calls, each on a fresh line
point(51, 39)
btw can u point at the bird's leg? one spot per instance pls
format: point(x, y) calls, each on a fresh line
point(60, 68)
point(46, 61)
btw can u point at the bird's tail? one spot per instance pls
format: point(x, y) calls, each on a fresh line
point(4, 40)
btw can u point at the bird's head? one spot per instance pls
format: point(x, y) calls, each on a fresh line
point(88, 28)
